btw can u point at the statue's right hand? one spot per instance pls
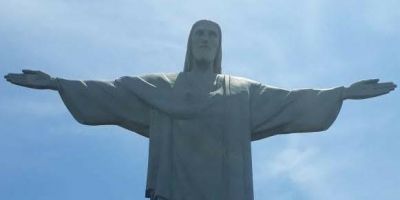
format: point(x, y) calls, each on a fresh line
point(32, 79)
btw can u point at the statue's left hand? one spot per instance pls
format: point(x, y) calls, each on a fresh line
point(367, 89)
point(32, 79)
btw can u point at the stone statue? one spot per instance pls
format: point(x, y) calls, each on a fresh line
point(200, 122)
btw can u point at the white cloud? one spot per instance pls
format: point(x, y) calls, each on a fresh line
point(302, 167)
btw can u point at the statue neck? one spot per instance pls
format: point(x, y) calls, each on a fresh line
point(203, 67)
point(202, 74)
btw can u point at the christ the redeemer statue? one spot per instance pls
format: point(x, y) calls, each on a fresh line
point(200, 122)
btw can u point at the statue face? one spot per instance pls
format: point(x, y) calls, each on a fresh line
point(205, 40)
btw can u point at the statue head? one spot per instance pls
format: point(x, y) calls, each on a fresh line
point(204, 44)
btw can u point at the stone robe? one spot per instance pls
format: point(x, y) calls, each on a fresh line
point(200, 138)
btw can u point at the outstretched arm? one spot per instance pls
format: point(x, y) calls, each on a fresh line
point(368, 89)
point(92, 102)
point(32, 79)
point(277, 111)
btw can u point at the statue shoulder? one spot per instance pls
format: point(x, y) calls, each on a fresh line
point(158, 79)
point(162, 80)
point(241, 81)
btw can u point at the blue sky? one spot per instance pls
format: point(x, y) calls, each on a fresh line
point(45, 154)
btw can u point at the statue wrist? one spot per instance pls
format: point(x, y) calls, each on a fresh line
point(345, 93)
point(53, 84)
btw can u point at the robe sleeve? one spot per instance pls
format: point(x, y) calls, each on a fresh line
point(105, 103)
point(278, 111)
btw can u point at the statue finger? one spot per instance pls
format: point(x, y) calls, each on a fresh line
point(28, 71)
point(20, 80)
point(382, 90)
point(7, 76)
point(370, 81)
point(376, 93)
point(13, 76)
point(388, 85)
point(20, 83)
point(382, 93)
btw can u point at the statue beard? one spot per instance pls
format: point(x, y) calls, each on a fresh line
point(204, 57)
point(204, 62)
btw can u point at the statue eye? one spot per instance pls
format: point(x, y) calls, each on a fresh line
point(199, 32)
point(212, 34)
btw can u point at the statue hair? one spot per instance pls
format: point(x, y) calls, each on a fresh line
point(189, 56)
